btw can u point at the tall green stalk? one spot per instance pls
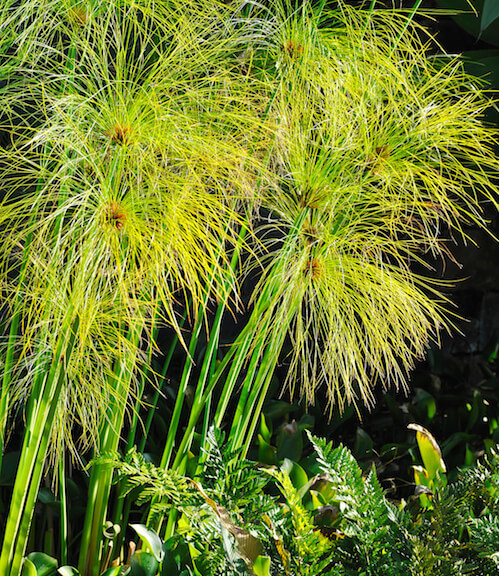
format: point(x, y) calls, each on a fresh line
point(34, 453)
point(63, 514)
point(101, 475)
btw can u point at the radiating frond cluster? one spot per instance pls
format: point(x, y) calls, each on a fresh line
point(144, 135)
point(380, 151)
point(129, 157)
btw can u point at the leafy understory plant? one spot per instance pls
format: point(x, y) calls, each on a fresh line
point(157, 153)
point(329, 520)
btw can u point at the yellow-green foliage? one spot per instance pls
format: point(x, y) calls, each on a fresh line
point(380, 150)
point(312, 547)
point(144, 134)
point(121, 183)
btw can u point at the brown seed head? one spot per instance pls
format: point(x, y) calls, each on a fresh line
point(383, 151)
point(120, 134)
point(311, 234)
point(315, 268)
point(376, 161)
point(311, 198)
point(78, 15)
point(292, 48)
point(114, 215)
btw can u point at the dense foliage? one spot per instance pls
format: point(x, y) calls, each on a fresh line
point(166, 165)
point(332, 521)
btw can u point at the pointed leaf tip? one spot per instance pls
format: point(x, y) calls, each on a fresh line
point(430, 451)
point(490, 13)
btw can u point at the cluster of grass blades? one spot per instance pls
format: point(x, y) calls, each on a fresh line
point(155, 153)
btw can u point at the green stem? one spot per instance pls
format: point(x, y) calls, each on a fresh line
point(251, 402)
point(157, 393)
point(200, 398)
point(179, 400)
point(410, 17)
point(198, 410)
point(34, 450)
point(63, 511)
point(261, 368)
point(123, 505)
point(239, 349)
point(9, 356)
point(101, 474)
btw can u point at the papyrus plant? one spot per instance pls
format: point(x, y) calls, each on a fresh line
point(120, 196)
point(381, 161)
point(380, 152)
point(147, 143)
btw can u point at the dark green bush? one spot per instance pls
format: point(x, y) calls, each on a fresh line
point(331, 520)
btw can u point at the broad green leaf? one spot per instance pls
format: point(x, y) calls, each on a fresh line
point(265, 430)
point(197, 567)
point(114, 571)
point(278, 408)
point(476, 410)
point(296, 473)
point(150, 538)
point(28, 568)
point(489, 14)
point(177, 556)
point(261, 567)
point(317, 499)
point(290, 442)
point(45, 565)
point(470, 457)
point(267, 454)
point(46, 496)
point(421, 476)
point(455, 440)
point(421, 480)
point(71, 571)
point(143, 564)
point(194, 552)
point(430, 451)
point(425, 404)
point(469, 16)
point(363, 444)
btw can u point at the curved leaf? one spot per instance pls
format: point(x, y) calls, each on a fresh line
point(430, 451)
point(470, 19)
point(114, 571)
point(143, 564)
point(489, 14)
point(150, 538)
point(28, 568)
point(45, 565)
point(69, 571)
point(261, 567)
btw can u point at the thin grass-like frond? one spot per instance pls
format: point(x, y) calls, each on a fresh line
point(381, 153)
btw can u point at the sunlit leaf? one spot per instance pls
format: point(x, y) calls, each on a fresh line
point(430, 451)
point(143, 564)
point(151, 539)
point(45, 565)
point(71, 571)
point(261, 567)
point(29, 568)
